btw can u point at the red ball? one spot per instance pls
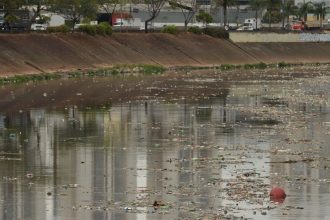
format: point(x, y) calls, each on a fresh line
point(277, 193)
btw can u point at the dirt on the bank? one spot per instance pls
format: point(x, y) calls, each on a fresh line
point(37, 53)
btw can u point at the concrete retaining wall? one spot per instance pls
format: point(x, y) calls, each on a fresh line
point(298, 52)
point(37, 53)
point(245, 37)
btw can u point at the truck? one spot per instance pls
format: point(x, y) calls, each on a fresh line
point(250, 24)
point(120, 20)
point(129, 24)
point(308, 25)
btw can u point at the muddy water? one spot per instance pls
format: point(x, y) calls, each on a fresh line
point(203, 147)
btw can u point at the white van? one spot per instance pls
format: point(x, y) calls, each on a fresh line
point(250, 24)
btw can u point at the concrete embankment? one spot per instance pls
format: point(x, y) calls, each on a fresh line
point(294, 52)
point(37, 53)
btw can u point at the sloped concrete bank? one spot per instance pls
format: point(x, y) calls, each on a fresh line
point(37, 53)
point(293, 52)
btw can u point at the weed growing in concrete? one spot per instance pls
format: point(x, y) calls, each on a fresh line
point(143, 69)
point(227, 66)
point(26, 78)
point(261, 65)
point(248, 66)
point(283, 64)
point(152, 69)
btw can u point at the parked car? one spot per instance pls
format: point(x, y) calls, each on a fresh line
point(38, 27)
point(297, 26)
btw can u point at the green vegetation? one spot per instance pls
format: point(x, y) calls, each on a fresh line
point(27, 78)
point(77, 11)
point(204, 17)
point(250, 66)
point(143, 69)
point(88, 29)
point(283, 65)
point(170, 29)
point(261, 65)
point(272, 16)
point(103, 28)
point(217, 32)
point(151, 69)
point(59, 29)
point(227, 66)
point(74, 10)
point(195, 30)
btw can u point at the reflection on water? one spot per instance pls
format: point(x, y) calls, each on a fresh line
point(201, 159)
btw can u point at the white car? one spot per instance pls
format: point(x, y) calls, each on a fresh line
point(38, 27)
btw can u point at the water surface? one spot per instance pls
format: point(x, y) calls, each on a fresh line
point(203, 147)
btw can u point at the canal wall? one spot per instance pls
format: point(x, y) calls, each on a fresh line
point(262, 37)
point(293, 52)
point(37, 53)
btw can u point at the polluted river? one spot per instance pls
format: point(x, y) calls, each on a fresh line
point(203, 144)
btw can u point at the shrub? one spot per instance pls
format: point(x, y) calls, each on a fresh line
point(261, 65)
point(249, 66)
point(227, 66)
point(88, 29)
point(195, 30)
point(104, 28)
point(218, 32)
point(152, 69)
point(100, 30)
point(170, 29)
point(282, 64)
point(62, 29)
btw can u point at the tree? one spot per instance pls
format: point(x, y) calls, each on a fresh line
point(288, 8)
point(257, 5)
point(9, 5)
point(304, 9)
point(75, 10)
point(271, 6)
point(236, 3)
point(188, 9)
point(204, 17)
point(39, 6)
point(320, 10)
point(10, 19)
point(153, 7)
point(225, 4)
point(109, 6)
